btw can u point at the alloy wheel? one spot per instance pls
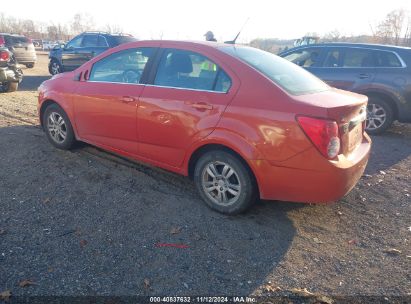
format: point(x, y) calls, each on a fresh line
point(55, 68)
point(57, 127)
point(221, 183)
point(376, 116)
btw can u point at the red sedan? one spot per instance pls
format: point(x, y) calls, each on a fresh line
point(242, 123)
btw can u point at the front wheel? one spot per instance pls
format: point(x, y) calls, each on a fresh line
point(58, 127)
point(379, 116)
point(224, 182)
point(30, 65)
point(55, 67)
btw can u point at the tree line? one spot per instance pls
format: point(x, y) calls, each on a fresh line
point(53, 31)
point(394, 29)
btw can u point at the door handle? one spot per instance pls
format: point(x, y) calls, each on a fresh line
point(202, 106)
point(127, 99)
point(363, 76)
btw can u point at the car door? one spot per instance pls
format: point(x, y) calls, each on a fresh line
point(182, 105)
point(70, 56)
point(91, 46)
point(347, 68)
point(106, 100)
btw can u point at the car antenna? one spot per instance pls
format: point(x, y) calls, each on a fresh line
point(235, 39)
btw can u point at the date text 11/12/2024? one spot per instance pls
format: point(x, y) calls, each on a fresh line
point(203, 299)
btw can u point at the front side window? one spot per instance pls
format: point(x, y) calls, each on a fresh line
point(287, 75)
point(75, 43)
point(332, 58)
point(190, 70)
point(304, 57)
point(90, 41)
point(122, 67)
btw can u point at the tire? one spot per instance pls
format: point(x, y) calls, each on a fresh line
point(30, 65)
point(55, 67)
point(60, 133)
point(232, 181)
point(380, 116)
point(9, 87)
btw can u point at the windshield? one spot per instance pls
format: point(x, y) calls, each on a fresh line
point(290, 77)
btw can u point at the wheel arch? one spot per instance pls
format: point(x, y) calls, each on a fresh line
point(388, 98)
point(43, 107)
point(207, 147)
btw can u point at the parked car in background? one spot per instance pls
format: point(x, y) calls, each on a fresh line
point(383, 73)
point(38, 43)
point(49, 45)
point(22, 48)
point(82, 48)
point(243, 123)
point(10, 73)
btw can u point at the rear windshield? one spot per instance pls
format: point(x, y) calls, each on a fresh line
point(117, 40)
point(292, 78)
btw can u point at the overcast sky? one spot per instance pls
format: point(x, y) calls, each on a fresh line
point(185, 19)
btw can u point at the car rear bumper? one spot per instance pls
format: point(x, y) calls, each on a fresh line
point(26, 59)
point(310, 178)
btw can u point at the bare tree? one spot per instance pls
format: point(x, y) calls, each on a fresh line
point(113, 28)
point(392, 29)
point(333, 36)
point(82, 23)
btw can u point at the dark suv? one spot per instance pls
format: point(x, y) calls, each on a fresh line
point(82, 48)
point(383, 73)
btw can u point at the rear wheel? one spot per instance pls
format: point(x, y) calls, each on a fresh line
point(30, 65)
point(58, 128)
point(379, 116)
point(9, 87)
point(224, 182)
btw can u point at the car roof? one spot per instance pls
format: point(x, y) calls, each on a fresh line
point(346, 44)
point(209, 44)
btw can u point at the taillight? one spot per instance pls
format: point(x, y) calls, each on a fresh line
point(323, 133)
point(4, 56)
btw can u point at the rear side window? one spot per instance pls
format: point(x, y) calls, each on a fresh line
point(356, 58)
point(304, 57)
point(387, 60)
point(290, 77)
point(102, 41)
point(122, 67)
point(190, 70)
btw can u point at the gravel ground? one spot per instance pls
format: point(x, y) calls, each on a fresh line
point(87, 222)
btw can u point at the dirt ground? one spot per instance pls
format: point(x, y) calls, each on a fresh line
point(86, 222)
